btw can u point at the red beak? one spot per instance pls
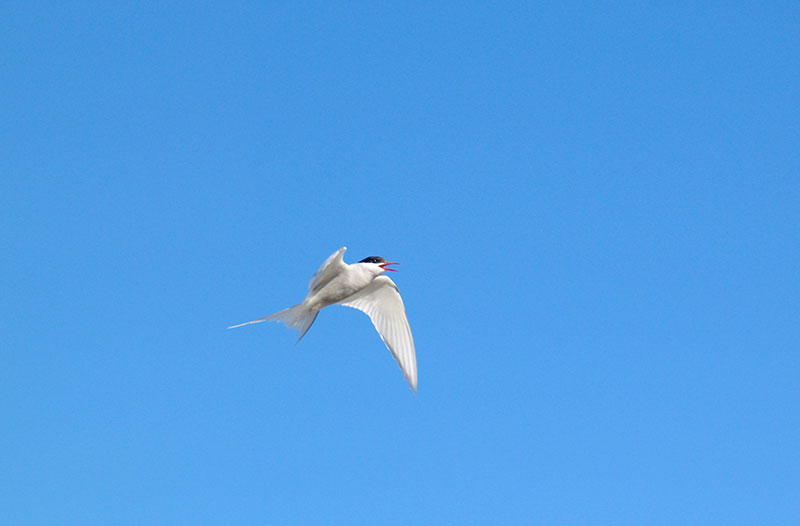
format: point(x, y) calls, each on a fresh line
point(384, 267)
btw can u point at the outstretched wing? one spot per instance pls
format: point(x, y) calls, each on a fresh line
point(381, 301)
point(332, 266)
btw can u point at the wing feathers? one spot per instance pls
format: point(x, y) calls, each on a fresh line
point(381, 301)
point(330, 268)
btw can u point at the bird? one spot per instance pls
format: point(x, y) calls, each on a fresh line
point(361, 286)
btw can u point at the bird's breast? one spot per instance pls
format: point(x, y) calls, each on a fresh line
point(339, 288)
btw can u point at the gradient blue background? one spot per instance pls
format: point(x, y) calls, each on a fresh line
point(596, 207)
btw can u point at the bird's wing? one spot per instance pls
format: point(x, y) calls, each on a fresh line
point(332, 266)
point(381, 301)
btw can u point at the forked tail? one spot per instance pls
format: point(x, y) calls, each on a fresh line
point(298, 318)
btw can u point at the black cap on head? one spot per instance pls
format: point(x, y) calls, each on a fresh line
point(373, 259)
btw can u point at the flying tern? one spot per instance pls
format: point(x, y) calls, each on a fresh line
point(361, 286)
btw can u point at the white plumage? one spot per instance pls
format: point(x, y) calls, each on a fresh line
point(361, 286)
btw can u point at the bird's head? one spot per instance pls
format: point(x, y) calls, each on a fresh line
point(378, 264)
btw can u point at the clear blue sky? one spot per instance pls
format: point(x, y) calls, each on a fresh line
point(596, 207)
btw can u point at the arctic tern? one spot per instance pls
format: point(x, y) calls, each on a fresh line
point(361, 286)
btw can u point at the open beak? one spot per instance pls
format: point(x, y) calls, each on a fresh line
point(384, 267)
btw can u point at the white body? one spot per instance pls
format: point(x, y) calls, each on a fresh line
point(361, 286)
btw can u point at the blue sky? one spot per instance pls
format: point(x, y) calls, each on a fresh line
point(595, 207)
